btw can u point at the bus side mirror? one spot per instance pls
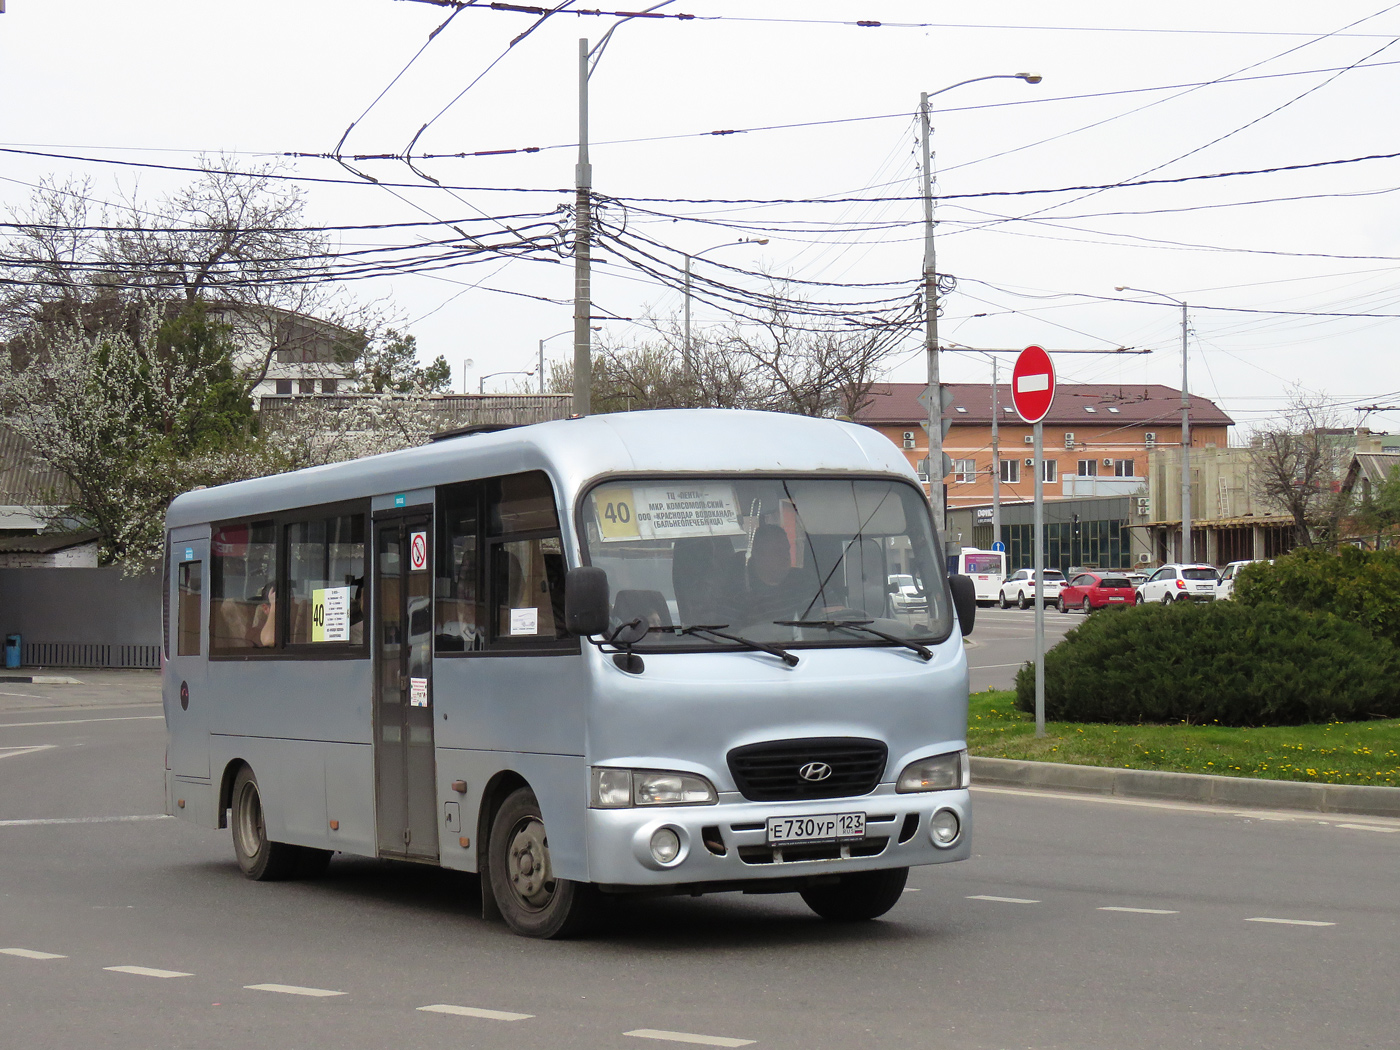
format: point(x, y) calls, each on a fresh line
point(964, 602)
point(586, 604)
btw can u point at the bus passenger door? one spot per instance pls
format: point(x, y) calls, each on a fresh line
point(405, 782)
point(185, 696)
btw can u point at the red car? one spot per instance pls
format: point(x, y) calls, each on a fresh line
point(1096, 590)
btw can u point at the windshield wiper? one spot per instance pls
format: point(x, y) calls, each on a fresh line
point(716, 632)
point(860, 625)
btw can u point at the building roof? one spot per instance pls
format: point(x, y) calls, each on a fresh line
point(1375, 467)
point(1137, 404)
point(46, 542)
point(25, 480)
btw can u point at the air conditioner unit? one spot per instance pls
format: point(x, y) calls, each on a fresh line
point(1030, 439)
point(908, 439)
point(1107, 462)
point(1069, 439)
point(1143, 505)
point(1144, 558)
point(1150, 438)
point(1030, 461)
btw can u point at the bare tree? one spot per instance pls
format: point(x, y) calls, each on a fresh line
point(1299, 465)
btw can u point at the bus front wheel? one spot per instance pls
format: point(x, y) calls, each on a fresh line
point(858, 896)
point(533, 901)
point(258, 857)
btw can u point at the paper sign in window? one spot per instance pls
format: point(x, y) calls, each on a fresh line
point(330, 614)
point(417, 692)
point(417, 551)
point(673, 511)
point(524, 621)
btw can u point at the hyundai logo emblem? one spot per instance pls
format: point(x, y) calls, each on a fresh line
point(814, 771)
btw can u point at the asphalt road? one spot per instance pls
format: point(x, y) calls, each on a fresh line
point(1079, 923)
point(1004, 639)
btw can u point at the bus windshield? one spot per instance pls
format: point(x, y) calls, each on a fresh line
point(747, 554)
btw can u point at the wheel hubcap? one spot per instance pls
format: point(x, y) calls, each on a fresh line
point(250, 821)
point(527, 864)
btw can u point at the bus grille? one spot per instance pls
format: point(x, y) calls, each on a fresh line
point(771, 772)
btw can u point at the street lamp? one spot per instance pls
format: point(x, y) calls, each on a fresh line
point(481, 384)
point(935, 394)
point(556, 335)
point(1186, 553)
point(686, 349)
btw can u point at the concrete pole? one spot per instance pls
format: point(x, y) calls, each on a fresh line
point(541, 366)
point(583, 293)
point(996, 461)
point(935, 407)
point(1185, 451)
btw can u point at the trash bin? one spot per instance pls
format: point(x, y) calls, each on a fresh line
point(12, 643)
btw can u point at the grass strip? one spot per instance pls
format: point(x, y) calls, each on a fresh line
point(1333, 753)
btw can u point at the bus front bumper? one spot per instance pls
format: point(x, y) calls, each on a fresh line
point(728, 843)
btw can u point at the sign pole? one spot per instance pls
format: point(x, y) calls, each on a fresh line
point(1038, 540)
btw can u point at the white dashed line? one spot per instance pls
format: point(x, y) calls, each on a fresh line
point(912, 889)
point(1144, 911)
point(146, 971)
point(78, 721)
point(1292, 922)
point(293, 989)
point(15, 752)
point(687, 1037)
point(1001, 900)
point(82, 820)
point(1369, 827)
point(472, 1011)
point(25, 953)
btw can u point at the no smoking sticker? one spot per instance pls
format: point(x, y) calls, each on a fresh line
point(417, 551)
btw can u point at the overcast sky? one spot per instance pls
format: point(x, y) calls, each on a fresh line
point(1129, 92)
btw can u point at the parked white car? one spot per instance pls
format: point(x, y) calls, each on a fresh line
point(1225, 587)
point(1179, 583)
point(1020, 588)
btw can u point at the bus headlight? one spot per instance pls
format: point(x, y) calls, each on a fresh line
point(939, 773)
point(624, 788)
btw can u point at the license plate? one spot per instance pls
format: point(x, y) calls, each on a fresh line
point(833, 827)
point(1117, 599)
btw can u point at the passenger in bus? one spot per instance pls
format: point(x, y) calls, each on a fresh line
point(357, 611)
point(773, 581)
point(263, 632)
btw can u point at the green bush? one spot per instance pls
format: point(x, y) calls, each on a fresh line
point(1360, 586)
point(1225, 662)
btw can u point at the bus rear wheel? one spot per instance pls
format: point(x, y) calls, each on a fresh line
point(259, 858)
point(533, 901)
point(859, 896)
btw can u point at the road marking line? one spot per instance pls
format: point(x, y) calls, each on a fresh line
point(27, 696)
point(989, 667)
point(1368, 827)
point(11, 752)
point(1144, 911)
point(146, 971)
point(83, 820)
point(911, 889)
point(472, 1011)
point(1001, 900)
point(1205, 808)
point(687, 1037)
point(77, 721)
point(292, 989)
point(25, 953)
point(1292, 922)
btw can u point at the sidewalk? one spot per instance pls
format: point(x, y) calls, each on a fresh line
point(1188, 787)
point(76, 688)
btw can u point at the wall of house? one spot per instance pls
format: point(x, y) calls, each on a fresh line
point(84, 617)
point(1089, 443)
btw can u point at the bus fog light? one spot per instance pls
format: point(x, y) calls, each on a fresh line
point(945, 827)
point(665, 845)
point(938, 773)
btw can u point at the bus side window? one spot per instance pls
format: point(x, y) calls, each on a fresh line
point(325, 580)
point(526, 568)
point(242, 586)
point(188, 611)
point(459, 571)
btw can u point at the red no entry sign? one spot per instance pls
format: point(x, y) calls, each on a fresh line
point(1033, 384)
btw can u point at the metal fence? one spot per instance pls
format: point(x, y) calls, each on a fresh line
point(84, 654)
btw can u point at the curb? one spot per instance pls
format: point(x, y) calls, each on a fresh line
point(1188, 787)
point(40, 679)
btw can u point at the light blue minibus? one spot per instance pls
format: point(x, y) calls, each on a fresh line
point(651, 652)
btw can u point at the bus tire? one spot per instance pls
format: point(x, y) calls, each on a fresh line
point(532, 900)
point(259, 858)
point(859, 896)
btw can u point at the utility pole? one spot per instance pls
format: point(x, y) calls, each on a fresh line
point(935, 400)
point(1186, 553)
point(996, 463)
point(583, 294)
